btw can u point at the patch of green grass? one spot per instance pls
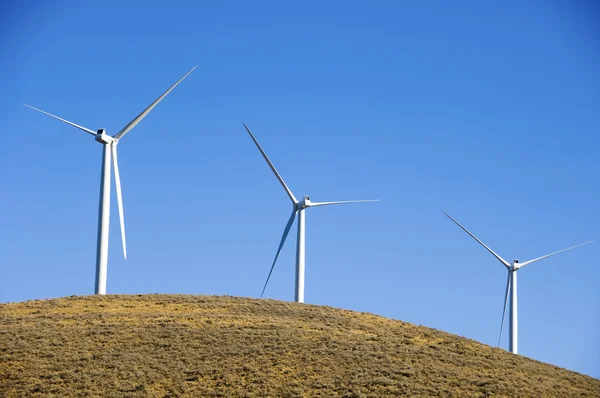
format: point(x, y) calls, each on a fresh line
point(170, 345)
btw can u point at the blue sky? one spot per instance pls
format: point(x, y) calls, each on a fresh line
point(486, 111)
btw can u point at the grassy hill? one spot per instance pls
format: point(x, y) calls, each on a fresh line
point(170, 345)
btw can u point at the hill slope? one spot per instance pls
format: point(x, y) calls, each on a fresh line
point(164, 345)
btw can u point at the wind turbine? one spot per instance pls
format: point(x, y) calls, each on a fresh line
point(110, 150)
point(298, 209)
point(511, 286)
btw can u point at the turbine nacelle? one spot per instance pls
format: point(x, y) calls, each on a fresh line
point(104, 138)
point(304, 203)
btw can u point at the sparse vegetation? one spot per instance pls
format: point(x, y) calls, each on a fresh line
point(165, 345)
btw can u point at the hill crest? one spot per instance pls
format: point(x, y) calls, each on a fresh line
point(180, 345)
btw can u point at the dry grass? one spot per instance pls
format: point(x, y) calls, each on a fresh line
point(164, 345)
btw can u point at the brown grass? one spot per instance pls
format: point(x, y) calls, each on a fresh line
point(165, 345)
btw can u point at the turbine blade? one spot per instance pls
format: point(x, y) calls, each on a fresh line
point(290, 194)
point(504, 308)
point(92, 132)
point(142, 115)
point(503, 261)
point(521, 265)
point(119, 197)
point(341, 202)
point(283, 238)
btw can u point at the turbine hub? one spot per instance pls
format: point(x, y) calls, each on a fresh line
point(104, 138)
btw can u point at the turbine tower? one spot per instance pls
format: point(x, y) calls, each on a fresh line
point(298, 209)
point(511, 287)
point(109, 151)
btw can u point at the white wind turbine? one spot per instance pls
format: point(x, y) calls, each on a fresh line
point(511, 287)
point(110, 150)
point(298, 209)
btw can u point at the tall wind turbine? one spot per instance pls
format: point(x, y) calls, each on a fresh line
point(298, 209)
point(110, 150)
point(511, 287)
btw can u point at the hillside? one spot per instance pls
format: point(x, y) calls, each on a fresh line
point(169, 345)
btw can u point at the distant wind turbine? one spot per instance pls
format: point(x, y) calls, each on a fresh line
point(511, 286)
point(110, 150)
point(298, 209)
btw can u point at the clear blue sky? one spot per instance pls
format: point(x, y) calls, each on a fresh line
point(490, 112)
